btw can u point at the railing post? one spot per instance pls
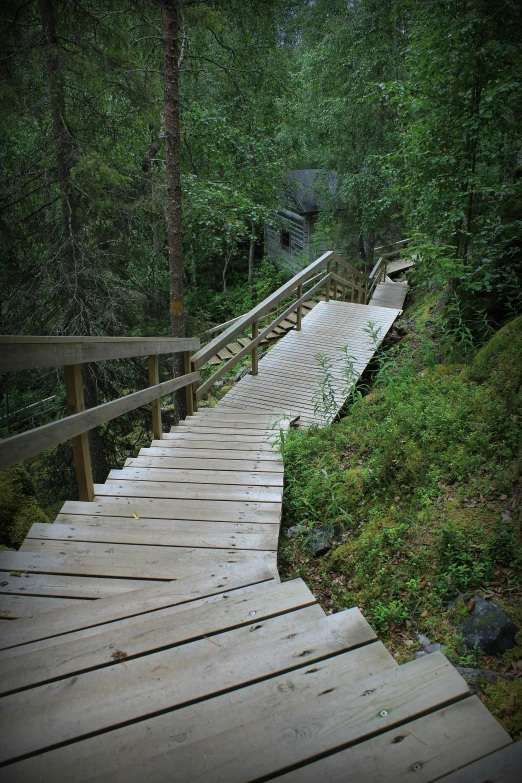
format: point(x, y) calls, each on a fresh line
point(366, 284)
point(190, 390)
point(328, 271)
point(255, 332)
point(153, 362)
point(299, 312)
point(80, 443)
point(345, 277)
point(336, 270)
point(353, 290)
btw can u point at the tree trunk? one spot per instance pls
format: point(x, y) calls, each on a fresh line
point(63, 151)
point(171, 33)
point(251, 250)
point(75, 295)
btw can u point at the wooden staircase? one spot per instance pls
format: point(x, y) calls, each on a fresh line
point(195, 663)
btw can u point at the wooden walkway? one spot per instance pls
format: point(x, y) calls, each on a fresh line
point(196, 663)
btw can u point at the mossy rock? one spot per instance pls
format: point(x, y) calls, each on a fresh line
point(18, 507)
point(499, 364)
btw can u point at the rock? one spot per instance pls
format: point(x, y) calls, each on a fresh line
point(420, 654)
point(321, 538)
point(478, 678)
point(241, 374)
point(422, 639)
point(220, 383)
point(295, 530)
point(433, 647)
point(485, 626)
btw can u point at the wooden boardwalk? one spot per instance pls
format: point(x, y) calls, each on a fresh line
point(195, 663)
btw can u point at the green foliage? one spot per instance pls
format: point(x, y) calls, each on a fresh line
point(400, 470)
point(18, 507)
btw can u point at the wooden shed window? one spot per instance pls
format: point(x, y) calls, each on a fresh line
point(285, 239)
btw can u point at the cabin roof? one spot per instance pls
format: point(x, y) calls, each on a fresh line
point(308, 190)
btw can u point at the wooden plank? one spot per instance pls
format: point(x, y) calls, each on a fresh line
point(210, 581)
point(27, 444)
point(194, 442)
point(32, 353)
point(43, 717)
point(64, 586)
point(157, 532)
point(427, 748)
point(353, 710)
point(501, 767)
point(220, 465)
point(125, 561)
point(222, 455)
point(141, 746)
point(63, 656)
point(240, 477)
point(13, 607)
point(185, 490)
point(195, 434)
point(183, 508)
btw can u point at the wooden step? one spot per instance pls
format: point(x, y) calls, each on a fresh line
point(212, 581)
point(82, 651)
point(96, 701)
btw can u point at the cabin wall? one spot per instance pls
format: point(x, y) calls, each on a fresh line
point(287, 241)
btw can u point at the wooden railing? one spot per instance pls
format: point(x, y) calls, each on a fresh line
point(330, 272)
point(30, 353)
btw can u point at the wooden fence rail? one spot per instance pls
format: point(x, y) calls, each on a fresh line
point(22, 353)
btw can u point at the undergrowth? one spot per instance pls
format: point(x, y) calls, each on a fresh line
point(424, 475)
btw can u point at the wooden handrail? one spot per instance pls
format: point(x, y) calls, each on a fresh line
point(36, 352)
point(255, 342)
point(23, 353)
point(360, 284)
point(27, 444)
point(208, 351)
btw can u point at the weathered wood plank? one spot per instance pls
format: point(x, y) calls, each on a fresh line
point(152, 596)
point(209, 442)
point(158, 563)
point(241, 477)
point(13, 607)
point(184, 533)
point(65, 586)
point(427, 748)
point(32, 353)
point(141, 746)
point(158, 508)
point(353, 711)
point(270, 458)
point(61, 657)
point(95, 701)
point(185, 490)
point(221, 465)
point(501, 767)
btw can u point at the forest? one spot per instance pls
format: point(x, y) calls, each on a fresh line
point(144, 149)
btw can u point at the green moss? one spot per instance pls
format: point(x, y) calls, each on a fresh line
point(18, 507)
point(504, 700)
point(499, 364)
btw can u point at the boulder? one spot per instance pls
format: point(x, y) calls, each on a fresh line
point(320, 541)
point(483, 624)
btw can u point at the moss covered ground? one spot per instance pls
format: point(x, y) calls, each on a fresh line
point(18, 507)
point(423, 473)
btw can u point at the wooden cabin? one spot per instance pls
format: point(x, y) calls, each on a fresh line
point(289, 238)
